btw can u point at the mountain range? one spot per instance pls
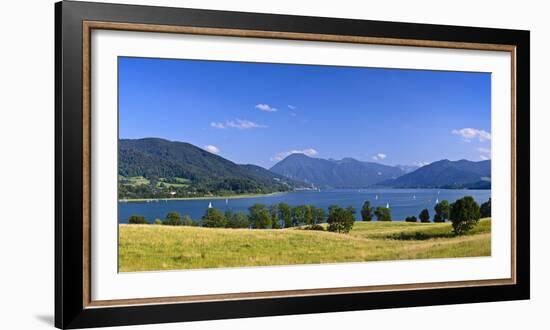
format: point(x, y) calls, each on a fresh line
point(170, 167)
point(345, 173)
point(352, 173)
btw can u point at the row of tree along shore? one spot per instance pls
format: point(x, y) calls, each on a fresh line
point(464, 214)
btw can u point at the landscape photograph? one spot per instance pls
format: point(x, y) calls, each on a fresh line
point(238, 164)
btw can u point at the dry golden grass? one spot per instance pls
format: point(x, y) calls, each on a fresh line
point(157, 247)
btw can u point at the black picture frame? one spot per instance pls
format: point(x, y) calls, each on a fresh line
point(70, 310)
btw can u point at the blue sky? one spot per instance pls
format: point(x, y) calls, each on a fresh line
point(258, 113)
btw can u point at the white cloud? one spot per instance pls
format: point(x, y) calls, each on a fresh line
point(468, 134)
point(484, 150)
point(485, 153)
point(420, 164)
point(282, 155)
point(265, 107)
point(217, 125)
point(243, 124)
point(292, 107)
point(237, 123)
point(212, 149)
point(379, 156)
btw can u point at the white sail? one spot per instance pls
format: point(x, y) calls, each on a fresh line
point(437, 200)
point(376, 197)
point(414, 196)
point(387, 205)
point(226, 201)
point(210, 205)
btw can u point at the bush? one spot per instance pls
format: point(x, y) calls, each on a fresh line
point(442, 211)
point(424, 216)
point(340, 220)
point(366, 211)
point(382, 214)
point(137, 220)
point(158, 222)
point(213, 218)
point(315, 227)
point(485, 209)
point(411, 219)
point(172, 219)
point(464, 215)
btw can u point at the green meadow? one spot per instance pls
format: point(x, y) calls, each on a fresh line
point(158, 247)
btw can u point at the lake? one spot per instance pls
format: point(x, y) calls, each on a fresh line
point(402, 202)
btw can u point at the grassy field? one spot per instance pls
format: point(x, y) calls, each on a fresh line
point(157, 247)
point(134, 180)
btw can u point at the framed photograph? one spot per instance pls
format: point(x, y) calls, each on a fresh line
point(215, 164)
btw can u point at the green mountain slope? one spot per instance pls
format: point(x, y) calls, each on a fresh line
point(179, 169)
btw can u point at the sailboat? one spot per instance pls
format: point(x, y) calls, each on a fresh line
point(437, 200)
point(226, 201)
point(210, 205)
point(414, 196)
point(387, 205)
point(376, 197)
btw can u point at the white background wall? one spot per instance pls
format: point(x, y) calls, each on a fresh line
point(27, 163)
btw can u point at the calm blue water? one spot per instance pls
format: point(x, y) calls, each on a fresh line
point(402, 202)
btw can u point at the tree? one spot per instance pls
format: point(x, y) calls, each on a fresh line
point(285, 214)
point(298, 215)
point(366, 211)
point(236, 220)
point(442, 211)
point(172, 219)
point(186, 221)
point(274, 214)
point(308, 215)
point(382, 213)
point(464, 215)
point(259, 216)
point(158, 222)
point(317, 216)
point(213, 218)
point(340, 220)
point(320, 215)
point(485, 209)
point(137, 220)
point(424, 216)
point(411, 219)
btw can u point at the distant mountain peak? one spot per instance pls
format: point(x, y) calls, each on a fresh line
point(297, 155)
point(446, 174)
point(345, 173)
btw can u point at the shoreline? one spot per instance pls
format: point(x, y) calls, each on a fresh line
point(138, 200)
